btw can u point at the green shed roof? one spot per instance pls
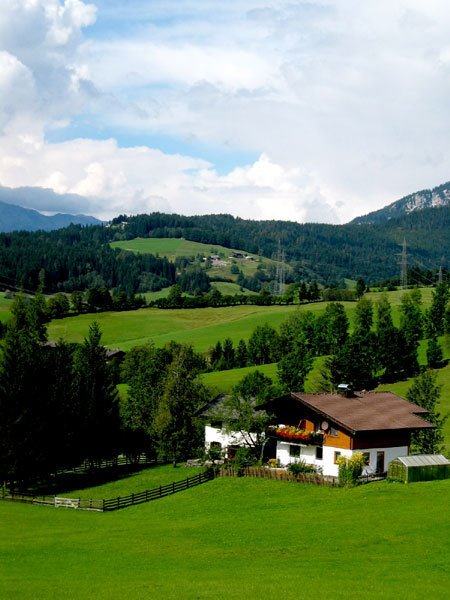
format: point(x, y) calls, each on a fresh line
point(421, 460)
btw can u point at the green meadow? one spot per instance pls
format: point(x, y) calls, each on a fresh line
point(201, 327)
point(233, 539)
point(173, 248)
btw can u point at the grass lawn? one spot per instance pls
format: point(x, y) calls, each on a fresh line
point(234, 539)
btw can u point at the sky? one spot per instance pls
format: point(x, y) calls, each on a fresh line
point(308, 111)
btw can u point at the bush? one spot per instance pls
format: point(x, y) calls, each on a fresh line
point(300, 467)
point(350, 468)
point(242, 459)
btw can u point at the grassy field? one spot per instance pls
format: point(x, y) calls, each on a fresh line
point(234, 539)
point(201, 327)
point(176, 247)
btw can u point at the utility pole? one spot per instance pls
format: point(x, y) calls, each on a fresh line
point(280, 275)
point(440, 276)
point(404, 267)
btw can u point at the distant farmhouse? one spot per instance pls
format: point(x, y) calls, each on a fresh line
point(318, 428)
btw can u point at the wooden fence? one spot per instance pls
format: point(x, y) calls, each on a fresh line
point(160, 492)
point(280, 474)
point(112, 503)
point(120, 461)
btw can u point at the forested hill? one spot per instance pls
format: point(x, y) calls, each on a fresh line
point(331, 252)
point(79, 258)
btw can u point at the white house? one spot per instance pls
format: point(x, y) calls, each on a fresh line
point(318, 428)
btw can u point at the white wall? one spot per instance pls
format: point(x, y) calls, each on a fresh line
point(308, 455)
point(389, 455)
point(225, 439)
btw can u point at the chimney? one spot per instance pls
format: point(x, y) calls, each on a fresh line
point(346, 390)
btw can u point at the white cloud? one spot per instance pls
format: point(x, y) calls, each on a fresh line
point(134, 180)
point(344, 102)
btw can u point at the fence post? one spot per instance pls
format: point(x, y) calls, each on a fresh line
point(187, 482)
point(132, 498)
point(118, 501)
point(173, 487)
point(160, 491)
point(103, 505)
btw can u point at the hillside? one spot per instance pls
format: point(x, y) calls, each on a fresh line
point(223, 265)
point(329, 253)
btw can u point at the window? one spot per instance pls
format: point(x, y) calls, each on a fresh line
point(336, 456)
point(319, 453)
point(366, 458)
point(294, 451)
point(333, 431)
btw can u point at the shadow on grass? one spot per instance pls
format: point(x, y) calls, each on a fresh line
point(63, 483)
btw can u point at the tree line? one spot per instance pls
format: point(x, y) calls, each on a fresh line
point(78, 258)
point(329, 253)
point(375, 350)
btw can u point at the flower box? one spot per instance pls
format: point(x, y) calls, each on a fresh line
point(289, 433)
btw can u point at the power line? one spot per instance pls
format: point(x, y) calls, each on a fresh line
point(280, 273)
point(404, 267)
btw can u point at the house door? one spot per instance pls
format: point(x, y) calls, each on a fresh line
point(380, 462)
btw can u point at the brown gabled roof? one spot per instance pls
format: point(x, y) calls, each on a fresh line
point(366, 411)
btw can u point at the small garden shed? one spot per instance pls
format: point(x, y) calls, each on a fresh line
point(419, 467)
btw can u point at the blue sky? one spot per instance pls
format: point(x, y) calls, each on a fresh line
point(317, 110)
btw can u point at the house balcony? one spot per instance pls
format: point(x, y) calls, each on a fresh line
point(289, 433)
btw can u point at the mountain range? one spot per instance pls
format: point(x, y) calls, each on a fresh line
point(14, 216)
point(436, 197)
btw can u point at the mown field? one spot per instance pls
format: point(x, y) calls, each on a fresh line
point(201, 327)
point(234, 539)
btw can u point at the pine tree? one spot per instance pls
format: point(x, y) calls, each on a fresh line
point(426, 392)
point(294, 367)
point(241, 354)
point(98, 399)
point(435, 354)
point(178, 430)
